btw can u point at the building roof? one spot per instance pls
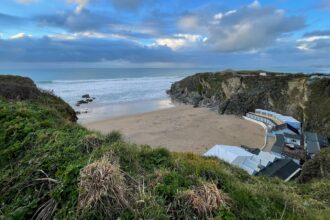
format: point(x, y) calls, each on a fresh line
point(279, 144)
point(283, 168)
point(251, 150)
point(251, 163)
point(314, 142)
point(292, 136)
point(284, 118)
point(310, 136)
point(286, 127)
point(227, 153)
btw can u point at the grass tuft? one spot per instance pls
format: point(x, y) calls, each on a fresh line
point(202, 202)
point(102, 189)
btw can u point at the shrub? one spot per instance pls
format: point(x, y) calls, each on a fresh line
point(172, 183)
point(155, 158)
point(113, 136)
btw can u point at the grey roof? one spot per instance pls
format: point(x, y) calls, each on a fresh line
point(285, 126)
point(310, 136)
point(283, 168)
point(279, 144)
point(293, 136)
point(314, 142)
point(312, 147)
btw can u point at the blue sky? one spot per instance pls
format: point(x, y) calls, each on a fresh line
point(277, 34)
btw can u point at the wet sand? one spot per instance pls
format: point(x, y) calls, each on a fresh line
point(184, 129)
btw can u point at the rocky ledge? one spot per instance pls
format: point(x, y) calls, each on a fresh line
point(304, 96)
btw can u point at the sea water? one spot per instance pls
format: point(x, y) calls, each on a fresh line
point(117, 92)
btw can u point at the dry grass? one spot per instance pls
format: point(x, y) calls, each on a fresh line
point(102, 188)
point(46, 210)
point(200, 203)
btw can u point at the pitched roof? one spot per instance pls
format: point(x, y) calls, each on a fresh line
point(312, 142)
point(283, 168)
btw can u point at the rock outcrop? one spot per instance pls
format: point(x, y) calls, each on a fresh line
point(305, 97)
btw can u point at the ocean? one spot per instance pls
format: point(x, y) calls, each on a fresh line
point(117, 92)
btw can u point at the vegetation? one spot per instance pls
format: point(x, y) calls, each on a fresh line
point(50, 167)
point(317, 168)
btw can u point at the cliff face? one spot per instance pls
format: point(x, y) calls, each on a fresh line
point(305, 97)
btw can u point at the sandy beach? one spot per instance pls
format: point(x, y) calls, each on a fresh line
point(184, 129)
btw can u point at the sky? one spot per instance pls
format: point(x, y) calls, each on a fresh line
point(237, 34)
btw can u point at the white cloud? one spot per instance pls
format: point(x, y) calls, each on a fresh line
point(179, 41)
point(19, 36)
point(188, 21)
point(230, 12)
point(255, 4)
point(314, 42)
point(217, 17)
point(86, 34)
point(249, 28)
point(81, 4)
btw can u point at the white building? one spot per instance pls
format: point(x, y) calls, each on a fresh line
point(241, 158)
point(281, 118)
point(261, 164)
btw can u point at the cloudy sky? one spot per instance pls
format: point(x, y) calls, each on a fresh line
point(273, 34)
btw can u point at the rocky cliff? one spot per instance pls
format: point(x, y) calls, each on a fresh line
point(305, 97)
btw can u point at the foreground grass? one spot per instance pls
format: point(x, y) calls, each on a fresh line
point(52, 167)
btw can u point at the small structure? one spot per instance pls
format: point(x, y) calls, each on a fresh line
point(314, 143)
point(279, 118)
point(284, 169)
point(256, 162)
point(262, 74)
point(241, 158)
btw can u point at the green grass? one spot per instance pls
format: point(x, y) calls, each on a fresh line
point(42, 154)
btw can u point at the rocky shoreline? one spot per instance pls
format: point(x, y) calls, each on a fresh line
point(304, 96)
point(86, 99)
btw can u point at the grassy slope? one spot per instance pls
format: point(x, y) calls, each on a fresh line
point(42, 154)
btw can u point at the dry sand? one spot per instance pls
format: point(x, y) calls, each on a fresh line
point(184, 129)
